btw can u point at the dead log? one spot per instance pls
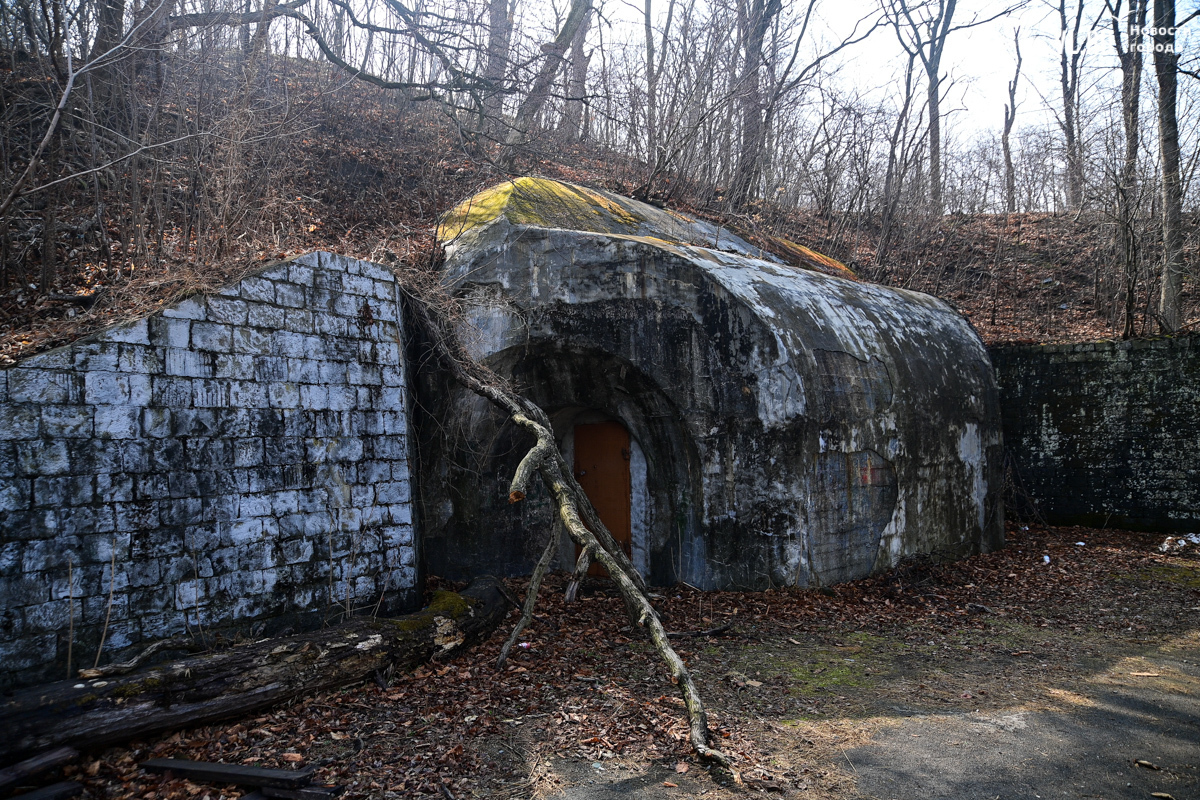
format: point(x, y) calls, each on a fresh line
point(243, 679)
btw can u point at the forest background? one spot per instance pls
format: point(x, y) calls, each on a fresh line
point(1033, 164)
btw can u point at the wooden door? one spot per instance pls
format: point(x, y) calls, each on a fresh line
point(602, 469)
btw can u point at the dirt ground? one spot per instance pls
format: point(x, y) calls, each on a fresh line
point(1065, 665)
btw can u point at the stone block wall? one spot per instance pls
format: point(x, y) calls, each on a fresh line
point(237, 463)
point(1108, 433)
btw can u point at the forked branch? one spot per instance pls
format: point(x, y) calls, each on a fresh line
point(576, 513)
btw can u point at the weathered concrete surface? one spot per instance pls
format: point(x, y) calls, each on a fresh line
point(1088, 751)
point(1106, 433)
point(236, 461)
point(797, 428)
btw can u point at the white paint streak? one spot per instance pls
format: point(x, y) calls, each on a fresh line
point(970, 451)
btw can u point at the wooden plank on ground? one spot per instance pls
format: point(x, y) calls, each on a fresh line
point(55, 791)
point(43, 762)
point(231, 773)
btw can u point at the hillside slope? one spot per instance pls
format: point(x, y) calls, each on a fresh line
point(350, 169)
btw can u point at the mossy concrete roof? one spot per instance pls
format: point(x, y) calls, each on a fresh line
point(545, 203)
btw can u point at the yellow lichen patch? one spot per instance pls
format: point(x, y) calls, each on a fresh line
point(477, 210)
point(541, 202)
point(813, 260)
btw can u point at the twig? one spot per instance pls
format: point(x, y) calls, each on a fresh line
point(535, 583)
point(175, 643)
point(112, 580)
point(70, 613)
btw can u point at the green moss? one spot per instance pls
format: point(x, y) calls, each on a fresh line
point(1184, 576)
point(414, 623)
point(443, 604)
point(861, 663)
point(132, 689)
point(543, 203)
point(448, 604)
point(830, 673)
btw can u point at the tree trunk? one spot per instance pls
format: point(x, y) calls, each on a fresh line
point(500, 27)
point(531, 106)
point(202, 689)
point(757, 19)
point(893, 180)
point(572, 121)
point(651, 94)
point(49, 271)
point(934, 101)
point(1165, 67)
point(1130, 57)
point(110, 21)
point(1070, 59)
point(1010, 116)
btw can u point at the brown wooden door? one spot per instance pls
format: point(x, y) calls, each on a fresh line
point(602, 469)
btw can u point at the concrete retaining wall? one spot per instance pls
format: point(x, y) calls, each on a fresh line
point(1106, 434)
point(237, 463)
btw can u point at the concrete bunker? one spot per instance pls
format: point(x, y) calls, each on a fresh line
point(786, 427)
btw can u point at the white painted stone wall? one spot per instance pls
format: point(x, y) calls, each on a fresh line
point(234, 464)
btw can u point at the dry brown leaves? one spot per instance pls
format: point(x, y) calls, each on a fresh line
point(585, 685)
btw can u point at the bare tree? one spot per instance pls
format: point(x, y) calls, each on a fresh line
point(922, 29)
point(500, 31)
point(754, 19)
point(1071, 54)
point(653, 72)
point(577, 68)
point(902, 145)
point(1010, 116)
point(1166, 69)
point(1129, 54)
point(531, 105)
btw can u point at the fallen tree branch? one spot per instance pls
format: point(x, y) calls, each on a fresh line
point(593, 538)
point(205, 688)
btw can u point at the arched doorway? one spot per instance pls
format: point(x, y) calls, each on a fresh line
point(602, 466)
